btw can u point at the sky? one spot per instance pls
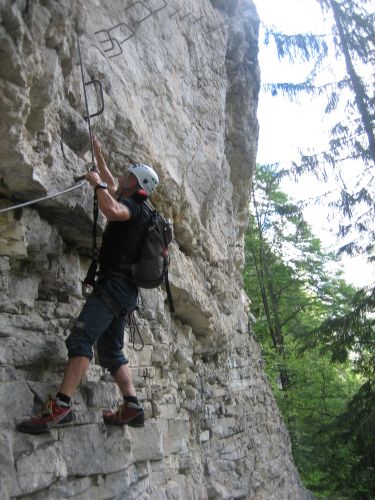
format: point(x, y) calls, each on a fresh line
point(286, 128)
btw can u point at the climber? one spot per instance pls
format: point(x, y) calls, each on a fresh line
point(103, 317)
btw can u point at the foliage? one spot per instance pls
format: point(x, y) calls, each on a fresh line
point(355, 430)
point(351, 333)
point(311, 338)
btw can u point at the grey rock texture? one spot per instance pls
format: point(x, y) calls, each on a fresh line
point(180, 81)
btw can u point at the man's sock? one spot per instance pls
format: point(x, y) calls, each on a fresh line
point(131, 399)
point(63, 399)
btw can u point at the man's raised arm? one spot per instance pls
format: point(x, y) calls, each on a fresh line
point(104, 172)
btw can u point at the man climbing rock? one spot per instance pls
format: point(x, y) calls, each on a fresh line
point(103, 317)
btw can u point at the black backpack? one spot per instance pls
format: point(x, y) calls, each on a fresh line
point(151, 270)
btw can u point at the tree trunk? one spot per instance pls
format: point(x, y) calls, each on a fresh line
point(270, 307)
point(359, 91)
point(284, 378)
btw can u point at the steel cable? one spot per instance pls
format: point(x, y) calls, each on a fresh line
point(21, 205)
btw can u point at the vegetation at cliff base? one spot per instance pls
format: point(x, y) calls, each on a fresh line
point(319, 354)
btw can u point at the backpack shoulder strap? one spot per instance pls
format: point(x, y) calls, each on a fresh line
point(169, 293)
point(154, 213)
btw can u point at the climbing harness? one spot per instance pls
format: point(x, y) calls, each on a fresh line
point(119, 312)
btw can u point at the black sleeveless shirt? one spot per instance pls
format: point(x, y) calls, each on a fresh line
point(122, 240)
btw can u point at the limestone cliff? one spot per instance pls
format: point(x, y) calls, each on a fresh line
point(180, 81)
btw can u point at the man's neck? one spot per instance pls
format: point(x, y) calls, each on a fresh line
point(126, 192)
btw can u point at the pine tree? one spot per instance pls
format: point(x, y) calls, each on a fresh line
point(352, 138)
point(285, 263)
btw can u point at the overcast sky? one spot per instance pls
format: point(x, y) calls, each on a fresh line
point(286, 128)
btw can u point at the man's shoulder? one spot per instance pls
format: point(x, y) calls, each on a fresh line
point(136, 206)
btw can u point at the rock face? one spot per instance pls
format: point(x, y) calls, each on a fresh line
point(180, 84)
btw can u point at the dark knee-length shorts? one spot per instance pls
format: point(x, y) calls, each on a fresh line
point(103, 320)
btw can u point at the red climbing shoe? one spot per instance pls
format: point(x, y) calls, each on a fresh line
point(51, 415)
point(128, 413)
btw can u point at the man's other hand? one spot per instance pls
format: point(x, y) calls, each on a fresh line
point(93, 178)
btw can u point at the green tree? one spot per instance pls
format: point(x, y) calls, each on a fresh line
point(287, 262)
point(293, 297)
point(278, 241)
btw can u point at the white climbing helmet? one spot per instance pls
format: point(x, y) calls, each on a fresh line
point(147, 177)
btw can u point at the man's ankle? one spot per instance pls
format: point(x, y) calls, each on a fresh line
point(131, 399)
point(63, 399)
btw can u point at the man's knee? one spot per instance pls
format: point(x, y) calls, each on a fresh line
point(111, 360)
point(78, 344)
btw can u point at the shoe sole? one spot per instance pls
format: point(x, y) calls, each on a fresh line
point(131, 423)
point(121, 424)
point(135, 425)
point(52, 425)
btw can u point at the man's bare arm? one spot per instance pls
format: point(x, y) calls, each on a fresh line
point(112, 209)
point(104, 171)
